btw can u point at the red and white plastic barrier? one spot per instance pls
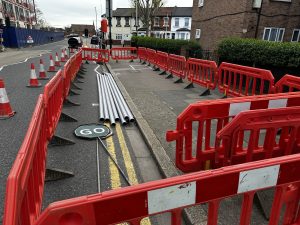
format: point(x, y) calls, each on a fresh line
point(95, 54)
point(177, 65)
point(126, 53)
point(198, 125)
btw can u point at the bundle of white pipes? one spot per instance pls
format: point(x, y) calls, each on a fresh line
point(112, 105)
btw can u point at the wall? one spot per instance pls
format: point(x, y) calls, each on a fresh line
point(125, 31)
point(215, 21)
point(181, 23)
point(16, 37)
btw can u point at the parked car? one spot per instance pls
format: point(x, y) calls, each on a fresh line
point(75, 41)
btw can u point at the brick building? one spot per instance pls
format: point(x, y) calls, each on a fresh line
point(79, 29)
point(272, 20)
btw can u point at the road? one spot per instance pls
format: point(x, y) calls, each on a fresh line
point(92, 168)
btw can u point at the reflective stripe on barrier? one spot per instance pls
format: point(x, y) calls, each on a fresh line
point(142, 54)
point(236, 80)
point(162, 60)
point(151, 56)
point(132, 204)
point(95, 54)
point(177, 65)
point(202, 72)
point(53, 99)
point(250, 136)
point(25, 183)
point(288, 83)
point(198, 125)
point(126, 53)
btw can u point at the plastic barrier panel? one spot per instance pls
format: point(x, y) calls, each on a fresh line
point(236, 80)
point(162, 60)
point(199, 123)
point(97, 55)
point(127, 53)
point(152, 59)
point(132, 204)
point(288, 83)
point(142, 54)
point(250, 136)
point(53, 99)
point(202, 72)
point(177, 65)
point(25, 183)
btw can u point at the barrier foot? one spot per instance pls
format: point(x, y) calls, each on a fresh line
point(76, 80)
point(56, 174)
point(163, 73)
point(264, 199)
point(74, 86)
point(143, 63)
point(80, 72)
point(149, 64)
point(82, 69)
point(191, 85)
point(87, 62)
point(60, 141)
point(72, 93)
point(205, 93)
point(156, 69)
point(178, 81)
point(169, 76)
point(80, 76)
point(131, 60)
point(100, 63)
point(67, 118)
point(68, 102)
point(225, 96)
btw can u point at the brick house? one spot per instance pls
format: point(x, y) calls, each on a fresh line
point(79, 29)
point(272, 20)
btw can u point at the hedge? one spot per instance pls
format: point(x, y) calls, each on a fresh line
point(259, 52)
point(168, 45)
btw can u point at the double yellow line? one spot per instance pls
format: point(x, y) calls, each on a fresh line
point(114, 172)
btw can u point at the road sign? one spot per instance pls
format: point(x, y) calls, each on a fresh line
point(92, 131)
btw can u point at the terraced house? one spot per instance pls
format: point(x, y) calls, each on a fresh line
point(17, 13)
point(270, 20)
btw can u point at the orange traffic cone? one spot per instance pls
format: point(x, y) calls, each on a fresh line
point(62, 56)
point(51, 67)
point(5, 109)
point(56, 63)
point(33, 82)
point(43, 75)
point(66, 53)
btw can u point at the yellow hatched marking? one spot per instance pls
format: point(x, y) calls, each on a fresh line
point(128, 164)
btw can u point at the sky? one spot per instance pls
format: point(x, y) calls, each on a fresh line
point(61, 13)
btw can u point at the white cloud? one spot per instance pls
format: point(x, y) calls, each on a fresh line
point(60, 13)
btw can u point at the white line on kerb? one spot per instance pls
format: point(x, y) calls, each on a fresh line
point(132, 67)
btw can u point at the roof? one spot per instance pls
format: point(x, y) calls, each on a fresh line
point(163, 11)
point(183, 29)
point(73, 26)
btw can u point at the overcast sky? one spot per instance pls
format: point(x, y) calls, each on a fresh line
point(60, 13)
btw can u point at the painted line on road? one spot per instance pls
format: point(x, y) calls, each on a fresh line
point(128, 164)
point(114, 172)
point(1, 68)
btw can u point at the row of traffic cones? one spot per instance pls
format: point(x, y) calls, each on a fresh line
point(5, 108)
point(33, 82)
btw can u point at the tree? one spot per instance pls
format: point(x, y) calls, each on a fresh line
point(40, 19)
point(146, 10)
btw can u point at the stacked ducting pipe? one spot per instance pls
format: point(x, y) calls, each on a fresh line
point(112, 105)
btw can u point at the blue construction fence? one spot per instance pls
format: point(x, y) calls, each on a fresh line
point(17, 37)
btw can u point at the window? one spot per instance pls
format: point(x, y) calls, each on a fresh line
point(186, 22)
point(201, 3)
point(118, 21)
point(296, 35)
point(273, 34)
point(182, 36)
point(166, 21)
point(156, 21)
point(127, 22)
point(176, 22)
point(118, 36)
point(198, 33)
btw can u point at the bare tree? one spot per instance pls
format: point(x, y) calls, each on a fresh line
point(40, 19)
point(147, 9)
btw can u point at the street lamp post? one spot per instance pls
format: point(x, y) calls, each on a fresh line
point(96, 20)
